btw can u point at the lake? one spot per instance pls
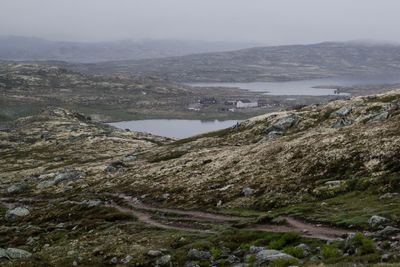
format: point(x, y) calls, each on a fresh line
point(174, 128)
point(304, 87)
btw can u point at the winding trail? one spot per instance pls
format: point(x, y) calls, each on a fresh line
point(144, 214)
point(201, 222)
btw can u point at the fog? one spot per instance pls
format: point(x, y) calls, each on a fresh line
point(263, 21)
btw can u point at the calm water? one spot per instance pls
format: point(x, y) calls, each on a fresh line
point(305, 87)
point(174, 128)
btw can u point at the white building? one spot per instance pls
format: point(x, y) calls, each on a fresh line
point(246, 104)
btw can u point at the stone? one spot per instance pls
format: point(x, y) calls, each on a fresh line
point(45, 184)
point(342, 122)
point(17, 188)
point(232, 259)
point(380, 117)
point(255, 249)
point(3, 254)
point(67, 176)
point(274, 134)
point(110, 169)
point(127, 259)
point(114, 260)
point(191, 264)
point(164, 261)
point(154, 253)
point(283, 123)
point(15, 253)
point(247, 191)
point(17, 212)
point(388, 231)
point(195, 254)
point(270, 255)
point(376, 221)
point(389, 195)
point(343, 111)
point(334, 184)
point(92, 203)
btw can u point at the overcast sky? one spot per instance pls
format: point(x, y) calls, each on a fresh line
point(263, 21)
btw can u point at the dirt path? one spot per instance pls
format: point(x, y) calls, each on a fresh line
point(143, 212)
point(191, 214)
point(191, 221)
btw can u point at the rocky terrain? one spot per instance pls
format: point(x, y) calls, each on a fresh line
point(316, 185)
point(276, 63)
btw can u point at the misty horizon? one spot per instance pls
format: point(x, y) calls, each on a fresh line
point(261, 22)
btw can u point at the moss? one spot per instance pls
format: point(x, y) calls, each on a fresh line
point(285, 240)
point(330, 252)
point(216, 252)
point(294, 251)
point(284, 262)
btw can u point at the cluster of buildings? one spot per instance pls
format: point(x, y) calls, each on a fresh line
point(231, 105)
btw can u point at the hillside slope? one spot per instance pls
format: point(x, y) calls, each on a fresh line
point(276, 63)
point(102, 194)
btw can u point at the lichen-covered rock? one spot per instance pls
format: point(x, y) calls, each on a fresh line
point(343, 111)
point(17, 213)
point(15, 253)
point(17, 188)
point(68, 175)
point(154, 253)
point(196, 254)
point(270, 255)
point(247, 191)
point(342, 122)
point(283, 124)
point(388, 231)
point(164, 261)
point(3, 254)
point(376, 221)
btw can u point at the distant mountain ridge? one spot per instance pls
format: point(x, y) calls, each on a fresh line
point(273, 63)
point(31, 48)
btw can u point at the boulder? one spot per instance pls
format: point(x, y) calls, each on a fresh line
point(274, 134)
point(154, 253)
point(247, 191)
point(17, 213)
point(376, 221)
point(127, 259)
point(68, 175)
point(283, 124)
point(380, 117)
point(255, 249)
point(17, 188)
point(388, 231)
point(270, 255)
point(3, 254)
point(343, 111)
point(195, 254)
point(45, 184)
point(191, 264)
point(15, 253)
point(342, 122)
point(164, 261)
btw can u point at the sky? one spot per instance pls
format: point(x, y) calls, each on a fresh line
point(270, 22)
